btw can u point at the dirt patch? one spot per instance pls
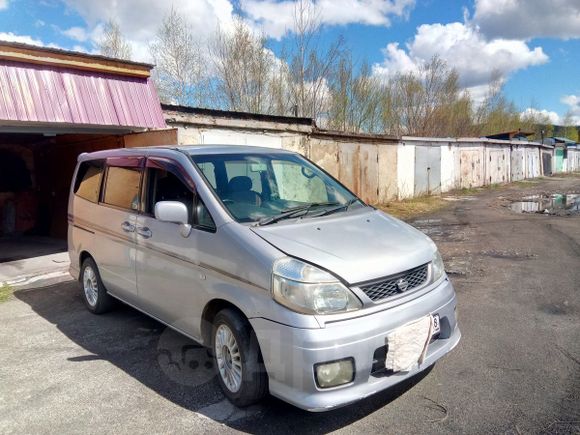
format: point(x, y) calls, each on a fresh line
point(511, 254)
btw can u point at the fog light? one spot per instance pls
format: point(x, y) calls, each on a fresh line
point(332, 374)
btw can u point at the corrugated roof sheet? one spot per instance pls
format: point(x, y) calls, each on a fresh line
point(37, 93)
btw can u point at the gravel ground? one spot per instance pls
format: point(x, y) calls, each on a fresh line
point(517, 369)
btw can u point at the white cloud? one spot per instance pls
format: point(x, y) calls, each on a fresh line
point(3, 4)
point(24, 39)
point(140, 19)
point(573, 103)
point(527, 19)
point(552, 116)
point(275, 18)
point(464, 48)
point(76, 33)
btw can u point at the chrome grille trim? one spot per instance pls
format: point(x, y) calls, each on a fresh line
point(384, 288)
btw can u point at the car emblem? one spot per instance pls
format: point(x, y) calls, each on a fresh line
point(402, 284)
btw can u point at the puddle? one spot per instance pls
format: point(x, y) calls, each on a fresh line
point(556, 204)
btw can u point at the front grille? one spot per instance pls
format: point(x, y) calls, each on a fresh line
point(395, 284)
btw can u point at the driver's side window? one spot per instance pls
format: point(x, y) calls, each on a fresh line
point(164, 185)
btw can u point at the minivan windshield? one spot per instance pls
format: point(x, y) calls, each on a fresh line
point(266, 188)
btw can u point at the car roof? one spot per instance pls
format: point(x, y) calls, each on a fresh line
point(193, 150)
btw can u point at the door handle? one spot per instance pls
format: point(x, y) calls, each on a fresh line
point(128, 227)
point(144, 232)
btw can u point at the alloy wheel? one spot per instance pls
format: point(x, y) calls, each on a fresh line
point(228, 358)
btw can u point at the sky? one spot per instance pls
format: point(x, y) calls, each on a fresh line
point(533, 44)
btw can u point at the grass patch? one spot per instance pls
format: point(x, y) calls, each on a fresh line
point(412, 207)
point(5, 292)
point(525, 183)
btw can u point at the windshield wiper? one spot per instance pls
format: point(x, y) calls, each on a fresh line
point(289, 213)
point(344, 206)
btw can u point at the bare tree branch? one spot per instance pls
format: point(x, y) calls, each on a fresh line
point(112, 43)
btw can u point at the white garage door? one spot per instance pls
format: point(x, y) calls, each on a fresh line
point(222, 137)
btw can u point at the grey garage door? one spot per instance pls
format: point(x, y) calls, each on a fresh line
point(427, 170)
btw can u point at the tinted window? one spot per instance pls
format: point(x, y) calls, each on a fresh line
point(164, 185)
point(204, 219)
point(122, 187)
point(88, 181)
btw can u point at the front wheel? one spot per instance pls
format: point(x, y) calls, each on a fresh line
point(95, 294)
point(241, 372)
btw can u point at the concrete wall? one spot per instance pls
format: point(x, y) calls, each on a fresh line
point(381, 168)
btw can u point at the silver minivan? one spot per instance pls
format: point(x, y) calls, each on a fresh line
point(298, 288)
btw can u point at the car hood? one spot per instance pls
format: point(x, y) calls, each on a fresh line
point(357, 247)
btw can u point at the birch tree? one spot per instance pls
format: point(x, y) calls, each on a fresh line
point(242, 67)
point(112, 43)
point(355, 98)
point(310, 64)
point(181, 69)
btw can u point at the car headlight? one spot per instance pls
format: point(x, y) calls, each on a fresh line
point(306, 289)
point(437, 266)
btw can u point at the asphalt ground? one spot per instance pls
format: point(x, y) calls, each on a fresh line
point(516, 370)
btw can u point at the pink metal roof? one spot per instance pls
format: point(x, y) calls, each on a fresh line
point(37, 93)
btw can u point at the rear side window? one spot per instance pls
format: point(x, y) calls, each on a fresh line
point(88, 181)
point(122, 187)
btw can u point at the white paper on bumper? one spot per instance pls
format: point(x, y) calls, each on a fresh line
point(408, 345)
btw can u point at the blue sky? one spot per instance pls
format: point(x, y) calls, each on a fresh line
point(533, 44)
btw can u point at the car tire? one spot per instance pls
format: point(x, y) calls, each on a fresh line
point(95, 294)
point(241, 372)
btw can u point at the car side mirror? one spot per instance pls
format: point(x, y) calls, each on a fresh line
point(175, 212)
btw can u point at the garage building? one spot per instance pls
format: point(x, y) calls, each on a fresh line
point(55, 105)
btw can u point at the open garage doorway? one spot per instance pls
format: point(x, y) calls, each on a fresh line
point(35, 175)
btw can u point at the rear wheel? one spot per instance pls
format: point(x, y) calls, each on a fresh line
point(95, 294)
point(241, 372)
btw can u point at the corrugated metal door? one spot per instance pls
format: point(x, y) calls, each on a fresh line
point(533, 164)
point(427, 170)
point(497, 167)
point(471, 168)
point(547, 163)
point(517, 160)
point(559, 159)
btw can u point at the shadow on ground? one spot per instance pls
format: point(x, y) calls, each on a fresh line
point(179, 369)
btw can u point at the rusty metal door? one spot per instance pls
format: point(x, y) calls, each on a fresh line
point(427, 170)
point(471, 173)
point(547, 163)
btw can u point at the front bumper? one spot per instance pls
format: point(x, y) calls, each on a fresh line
point(290, 353)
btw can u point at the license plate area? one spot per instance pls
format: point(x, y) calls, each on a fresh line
point(380, 354)
point(436, 326)
point(408, 343)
